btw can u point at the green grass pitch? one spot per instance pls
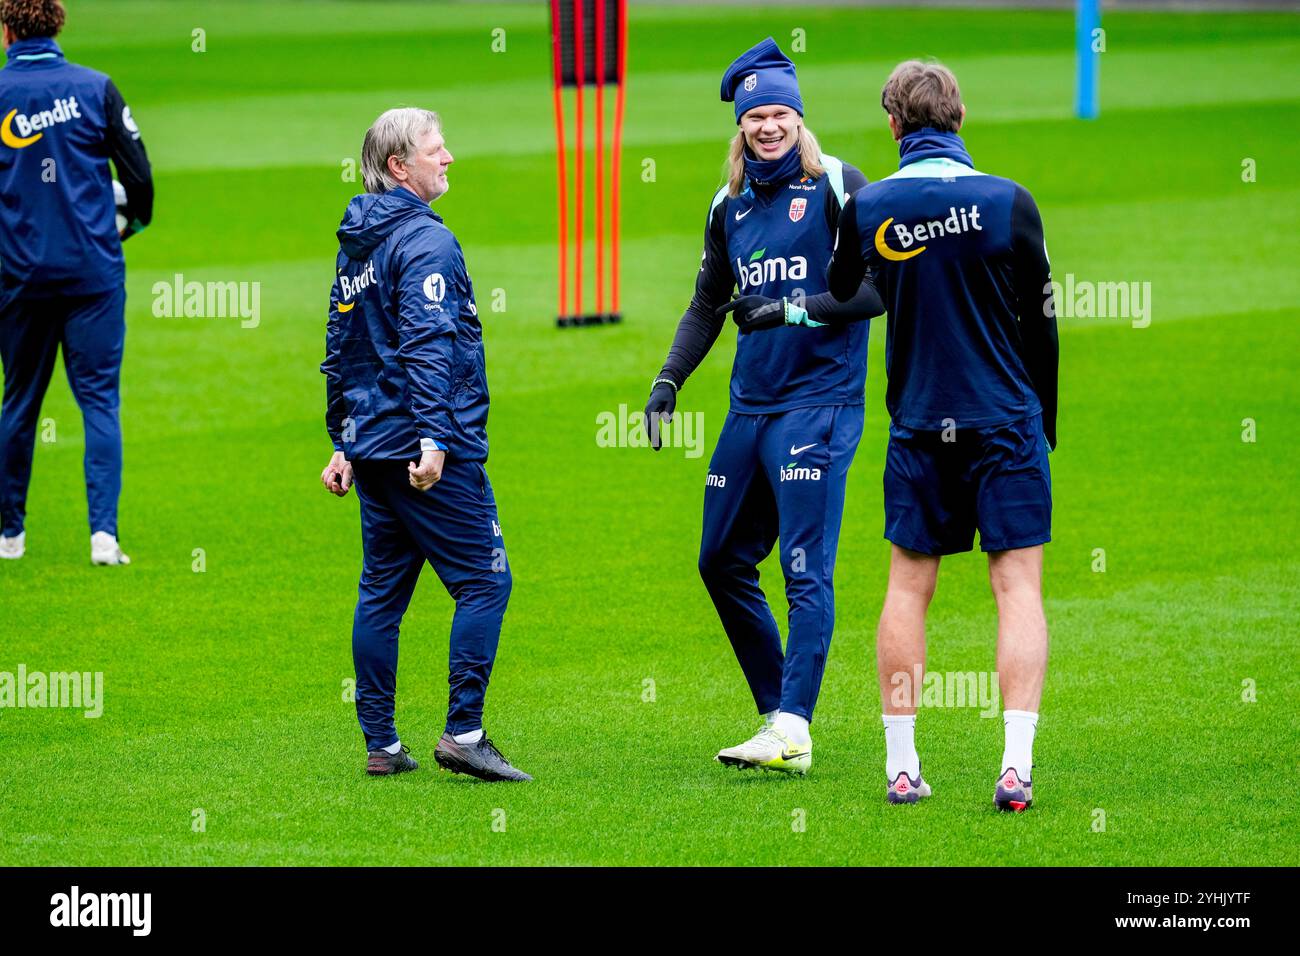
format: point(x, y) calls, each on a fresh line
point(224, 689)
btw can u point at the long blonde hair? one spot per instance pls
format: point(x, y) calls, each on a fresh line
point(810, 154)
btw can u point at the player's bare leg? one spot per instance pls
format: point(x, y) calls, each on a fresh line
point(900, 663)
point(1017, 581)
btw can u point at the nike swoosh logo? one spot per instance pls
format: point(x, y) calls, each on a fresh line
point(795, 451)
point(742, 215)
point(787, 755)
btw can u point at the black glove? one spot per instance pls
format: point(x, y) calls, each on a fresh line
point(753, 312)
point(660, 408)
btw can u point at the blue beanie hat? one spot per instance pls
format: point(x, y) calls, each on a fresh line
point(761, 76)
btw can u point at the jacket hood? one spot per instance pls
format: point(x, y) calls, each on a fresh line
point(371, 217)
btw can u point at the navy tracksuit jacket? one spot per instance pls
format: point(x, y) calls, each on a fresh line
point(61, 266)
point(404, 371)
point(960, 261)
point(971, 348)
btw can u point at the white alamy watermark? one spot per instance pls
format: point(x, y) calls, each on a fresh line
point(625, 428)
point(946, 689)
point(179, 299)
point(75, 908)
point(1085, 299)
point(74, 690)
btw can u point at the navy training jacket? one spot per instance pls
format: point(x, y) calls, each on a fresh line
point(404, 364)
point(60, 124)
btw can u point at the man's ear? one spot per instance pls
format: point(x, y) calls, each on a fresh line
point(398, 169)
point(9, 37)
point(961, 119)
point(894, 128)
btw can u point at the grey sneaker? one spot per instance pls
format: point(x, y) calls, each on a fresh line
point(905, 789)
point(1011, 794)
point(380, 763)
point(481, 760)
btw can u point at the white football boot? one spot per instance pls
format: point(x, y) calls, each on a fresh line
point(11, 549)
point(105, 551)
point(770, 749)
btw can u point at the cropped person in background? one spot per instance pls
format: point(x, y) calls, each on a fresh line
point(61, 268)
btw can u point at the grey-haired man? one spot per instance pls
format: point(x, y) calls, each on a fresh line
point(407, 413)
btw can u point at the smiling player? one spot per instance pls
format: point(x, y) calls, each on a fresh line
point(796, 397)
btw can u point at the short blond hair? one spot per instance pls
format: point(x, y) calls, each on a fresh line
point(922, 94)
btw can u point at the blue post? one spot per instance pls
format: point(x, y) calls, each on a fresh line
point(1087, 18)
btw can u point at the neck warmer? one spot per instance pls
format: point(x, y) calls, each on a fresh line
point(764, 172)
point(929, 143)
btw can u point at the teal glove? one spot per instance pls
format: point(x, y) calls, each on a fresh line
point(754, 312)
point(798, 315)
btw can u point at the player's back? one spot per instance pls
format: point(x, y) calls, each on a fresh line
point(942, 242)
point(57, 215)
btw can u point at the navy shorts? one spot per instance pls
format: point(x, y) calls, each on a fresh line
point(996, 480)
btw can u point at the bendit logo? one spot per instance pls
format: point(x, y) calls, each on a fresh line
point(958, 221)
point(350, 288)
point(18, 130)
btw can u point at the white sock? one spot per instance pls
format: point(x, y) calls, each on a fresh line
point(1019, 750)
point(770, 718)
point(900, 746)
point(393, 748)
point(469, 737)
point(793, 726)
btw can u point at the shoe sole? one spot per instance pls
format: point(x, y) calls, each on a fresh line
point(1015, 801)
point(445, 763)
point(390, 773)
point(741, 764)
point(913, 796)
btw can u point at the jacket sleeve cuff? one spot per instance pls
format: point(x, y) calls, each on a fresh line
point(429, 444)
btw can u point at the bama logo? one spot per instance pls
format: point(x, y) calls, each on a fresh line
point(792, 473)
point(350, 288)
point(957, 222)
point(759, 270)
point(18, 130)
